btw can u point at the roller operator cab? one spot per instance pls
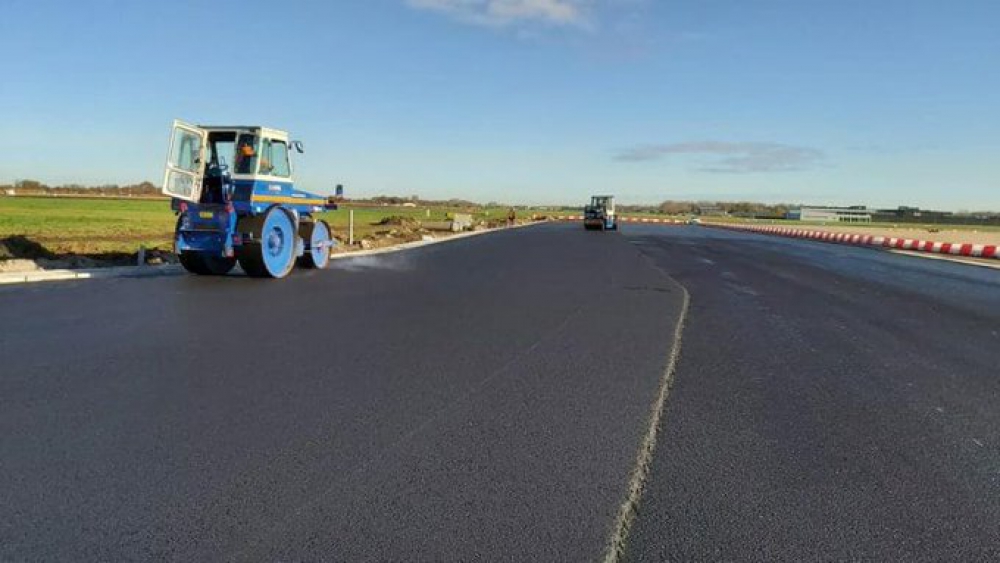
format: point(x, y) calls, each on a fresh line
point(600, 214)
point(232, 191)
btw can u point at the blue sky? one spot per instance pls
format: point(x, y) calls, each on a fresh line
point(882, 102)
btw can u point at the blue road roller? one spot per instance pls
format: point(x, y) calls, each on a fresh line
point(232, 190)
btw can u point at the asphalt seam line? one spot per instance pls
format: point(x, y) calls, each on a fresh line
point(637, 482)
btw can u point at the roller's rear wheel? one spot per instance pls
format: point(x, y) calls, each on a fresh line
point(271, 253)
point(206, 264)
point(319, 239)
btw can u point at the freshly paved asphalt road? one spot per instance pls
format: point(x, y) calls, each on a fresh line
point(484, 399)
point(830, 404)
point(480, 399)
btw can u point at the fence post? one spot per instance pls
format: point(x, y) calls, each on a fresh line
point(350, 228)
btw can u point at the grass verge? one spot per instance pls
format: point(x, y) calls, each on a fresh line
point(103, 228)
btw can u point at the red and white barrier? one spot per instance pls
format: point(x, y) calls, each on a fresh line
point(954, 249)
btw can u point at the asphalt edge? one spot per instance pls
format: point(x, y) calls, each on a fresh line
point(422, 243)
point(35, 276)
point(978, 262)
point(954, 249)
point(892, 245)
point(644, 457)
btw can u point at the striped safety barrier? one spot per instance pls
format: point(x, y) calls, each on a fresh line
point(954, 249)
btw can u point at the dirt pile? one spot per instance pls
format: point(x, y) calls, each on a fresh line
point(391, 238)
point(20, 247)
point(394, 229)
point(399, 221)
point(19, 253)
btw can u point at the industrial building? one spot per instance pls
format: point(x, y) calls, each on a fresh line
point(831, 214)
point(906, 214)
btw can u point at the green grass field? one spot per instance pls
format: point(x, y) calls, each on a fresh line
point(102, 226)
point(88, 226)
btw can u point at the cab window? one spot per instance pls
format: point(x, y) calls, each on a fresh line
point(246, 154)
point(221, 148)
point(274, 159)
point(186, 150)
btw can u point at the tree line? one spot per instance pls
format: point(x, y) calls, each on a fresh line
point(673, 207)
point(34, 187)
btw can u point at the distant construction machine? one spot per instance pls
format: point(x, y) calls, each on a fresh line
point(600, 214)
point(232, 190)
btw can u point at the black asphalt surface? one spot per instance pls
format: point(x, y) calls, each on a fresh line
point(830, 404)
point(482, 399)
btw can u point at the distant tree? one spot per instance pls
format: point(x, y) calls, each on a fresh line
point(30, 186)
point(676, 207)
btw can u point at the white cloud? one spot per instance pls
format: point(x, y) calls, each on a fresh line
point(500, 13)
point(741, 157)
